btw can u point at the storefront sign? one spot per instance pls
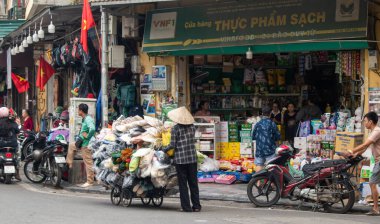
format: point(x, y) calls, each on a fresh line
point(254, 23)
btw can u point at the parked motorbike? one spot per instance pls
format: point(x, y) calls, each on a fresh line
point(47, 164)
point(326, 183)
point(8, 164)
point(32, 141)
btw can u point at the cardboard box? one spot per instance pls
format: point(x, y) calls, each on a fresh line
point(366, 172)
point(234, 149)
point(245, 134)
point(346, 141)
point(214, 59)
point(300, 143)
point(199, 59)
point(246, 149)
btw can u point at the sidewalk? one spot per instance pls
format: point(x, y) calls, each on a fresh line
point(235, 192)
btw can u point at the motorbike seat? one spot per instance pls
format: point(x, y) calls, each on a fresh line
point(314, 167)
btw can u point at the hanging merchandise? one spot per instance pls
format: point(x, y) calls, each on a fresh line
point(249, 76)
point(281, 80)
point(272, 79)
point(85, 84)
point(126, 95)
point(308, 62)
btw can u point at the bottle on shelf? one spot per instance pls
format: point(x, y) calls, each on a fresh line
point(328, 108)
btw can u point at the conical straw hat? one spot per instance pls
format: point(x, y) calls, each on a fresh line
point(181, 116)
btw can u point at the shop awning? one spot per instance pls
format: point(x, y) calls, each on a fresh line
point(211, 29)
point(7, 26)
point(123, 2)
point(270, 48)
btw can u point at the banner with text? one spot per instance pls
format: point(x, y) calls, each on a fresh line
point(254, 23)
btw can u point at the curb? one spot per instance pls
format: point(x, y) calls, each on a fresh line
point(218, 197)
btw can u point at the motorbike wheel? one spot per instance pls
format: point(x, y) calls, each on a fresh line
point(8, 179)
point(56, 172)
point(262, 186)
point(27, 149)
point(35, 177)
point(347, 198)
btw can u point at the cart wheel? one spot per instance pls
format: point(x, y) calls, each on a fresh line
point(146, 201)
point(157, 202)
point(127, 198)
point(116, 195)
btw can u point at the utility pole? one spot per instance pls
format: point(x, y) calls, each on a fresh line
point(104, 73)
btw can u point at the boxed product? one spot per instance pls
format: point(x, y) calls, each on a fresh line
point(245, 134)
point(234, 149)
point(206, 145)
point(346, 141)
point(246, 149)
point(225, 179)
point(366, 172)
point(300, 143)
point(246, 127)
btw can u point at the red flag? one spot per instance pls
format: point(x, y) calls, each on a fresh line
point(45, 72)
point(21, 84)
point(87, 23)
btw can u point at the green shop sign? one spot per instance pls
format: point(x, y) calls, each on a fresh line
point(249, 23)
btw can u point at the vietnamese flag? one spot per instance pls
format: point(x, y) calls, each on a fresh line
point(87, 23)
point(21, 84)
point(45, 72)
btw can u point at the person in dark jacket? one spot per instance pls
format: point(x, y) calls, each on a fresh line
point(8, 133)
point(185, 157)
point(290, 123)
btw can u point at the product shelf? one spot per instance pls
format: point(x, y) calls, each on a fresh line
point(205, 138)
point(234, 109)
point(247, 94)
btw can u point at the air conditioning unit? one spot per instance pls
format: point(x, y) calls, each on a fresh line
point(116, 56)
point(130, 27)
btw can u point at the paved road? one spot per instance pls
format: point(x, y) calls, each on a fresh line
point(25, 203)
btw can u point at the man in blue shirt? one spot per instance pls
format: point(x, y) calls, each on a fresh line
point(265, 133)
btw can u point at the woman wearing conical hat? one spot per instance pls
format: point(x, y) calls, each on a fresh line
point(185, 158)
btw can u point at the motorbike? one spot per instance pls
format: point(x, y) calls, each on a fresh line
point(326, 183)
point(47, 163)
point(32, 141)
point(8, 164)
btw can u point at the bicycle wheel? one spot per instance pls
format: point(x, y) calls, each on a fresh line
point(116, 195)
point(146, 201)
point(157, 202)
point(127, 196)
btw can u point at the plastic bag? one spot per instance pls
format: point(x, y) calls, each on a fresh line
point(127, 182)
point(209, 165)
point(166, 136)
point(200, 158)
point(142, 152)
point(134, 164)
point(160, 181)
point(147, 159)
point(111, 178)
